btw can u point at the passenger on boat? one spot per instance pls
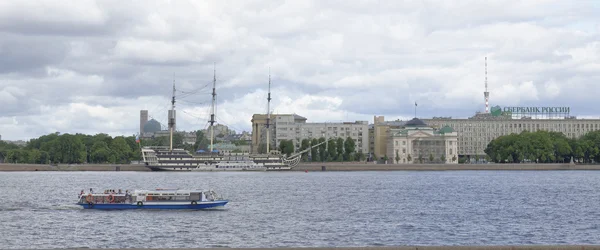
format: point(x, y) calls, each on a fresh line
point(91, 191)
point(120, 191)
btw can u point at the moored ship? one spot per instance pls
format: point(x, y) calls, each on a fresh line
point(173, 159)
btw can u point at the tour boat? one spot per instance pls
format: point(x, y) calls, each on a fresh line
point(152, 199)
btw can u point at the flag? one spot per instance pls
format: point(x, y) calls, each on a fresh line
point(137, 138)
point(415, 104)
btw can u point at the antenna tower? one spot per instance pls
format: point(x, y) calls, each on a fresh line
point(268, 111)
point(486, 94)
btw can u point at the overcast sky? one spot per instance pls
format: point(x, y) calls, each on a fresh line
point(91, 66)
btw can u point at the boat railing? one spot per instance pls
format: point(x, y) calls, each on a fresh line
point(105, 198)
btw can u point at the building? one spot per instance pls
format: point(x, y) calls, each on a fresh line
point(227, 148)
point(188, 137)
point(378, 135)
point(475, 133)
point(220, 131)
point(150, 128)
point(416, 142)
point(294, 127)
point(259, 130)
point(143, 120)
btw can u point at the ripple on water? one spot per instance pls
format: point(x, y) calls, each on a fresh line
point(324, 209)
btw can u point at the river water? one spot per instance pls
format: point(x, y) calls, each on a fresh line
point(297, 209)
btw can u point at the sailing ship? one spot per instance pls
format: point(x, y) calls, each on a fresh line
point(173, 159)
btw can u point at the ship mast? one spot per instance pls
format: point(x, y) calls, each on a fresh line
point(172, 118)
point(268, 111)
point(212, 114)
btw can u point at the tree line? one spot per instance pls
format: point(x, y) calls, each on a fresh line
point(80, 148)
point(335, 150)
point(544, 147)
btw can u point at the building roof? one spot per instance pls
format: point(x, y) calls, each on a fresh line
point(152, 126)
point(445, 130)
point(415, 122)
point(297, 117)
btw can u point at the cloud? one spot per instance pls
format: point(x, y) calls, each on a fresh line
point(90, 66)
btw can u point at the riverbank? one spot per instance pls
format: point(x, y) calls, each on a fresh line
point(72, 167)
point(330, 166)
point(561, 247)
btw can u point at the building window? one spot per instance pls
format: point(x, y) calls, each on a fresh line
point(403, 142)
point(396, 143)
point(404, 151)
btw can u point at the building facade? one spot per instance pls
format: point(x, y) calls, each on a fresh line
point(294, 127)
point(416, 142)
point(378, 135)
point(143, 120)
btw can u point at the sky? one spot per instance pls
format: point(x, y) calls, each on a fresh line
point(90, 66)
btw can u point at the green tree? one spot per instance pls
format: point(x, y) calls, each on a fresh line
point(385, 158)
point(409, 158)
point(120, 150)
point(332, 150)
point(286, 147)
point(100, 152)
point(314, 151)
point(430, 157)
point(397, 157)
point(304, 144)
point(454, 158)
point(443, 158)
point(360, 156)
point(339, 142)
point(323, 149)
point(349, 147)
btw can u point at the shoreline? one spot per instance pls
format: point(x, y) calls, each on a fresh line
point(330, 166)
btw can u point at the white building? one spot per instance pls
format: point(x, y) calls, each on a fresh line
point(294, 127)
point(475, 133)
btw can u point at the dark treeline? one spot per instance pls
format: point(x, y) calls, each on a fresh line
point(544, 147)
point(335, 150)
point(79, 148)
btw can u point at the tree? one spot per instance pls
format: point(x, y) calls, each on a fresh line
point(430, 157)
point(314, 151)
point(286, 147)
point(385, 158)
point(100, 152)
point(349, 147)
point(331, 150)
point(120, 150)
point(409, 158)
point(360, 156)
point(397, 157)
point(443, 158)
point(420, 158)
point(305, 144)
point(339, 142)
point(323, 149)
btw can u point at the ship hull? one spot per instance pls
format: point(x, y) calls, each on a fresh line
point(155, 205)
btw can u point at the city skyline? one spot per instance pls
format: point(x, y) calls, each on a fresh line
point(90, 67)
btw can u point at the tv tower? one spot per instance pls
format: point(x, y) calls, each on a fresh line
point(486, 94)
